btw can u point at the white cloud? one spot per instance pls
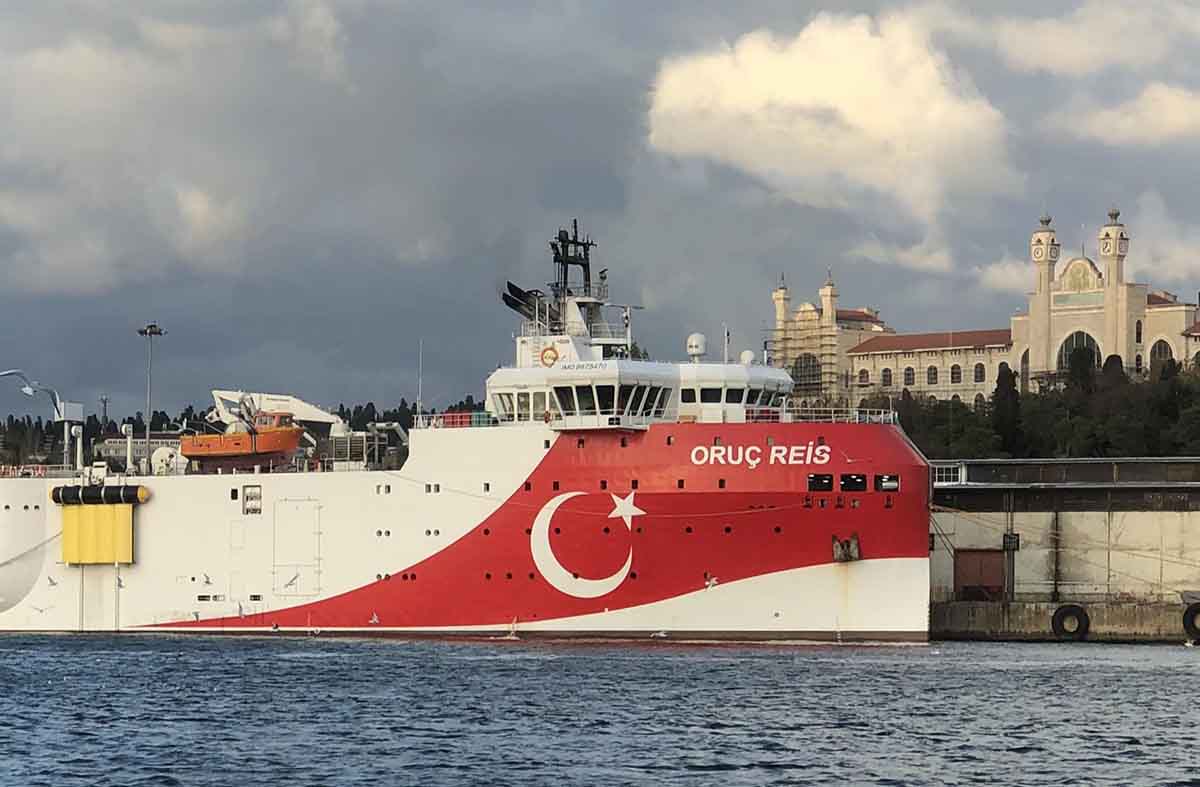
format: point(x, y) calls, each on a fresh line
point(1160, 246)
point(1160, 113)
point(853, 113)
point(313, 30)
point(1094, 36)
point(1007, 274)
point(850, 105)
point(932, 253)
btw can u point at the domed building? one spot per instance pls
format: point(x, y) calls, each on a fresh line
point(1081, 304)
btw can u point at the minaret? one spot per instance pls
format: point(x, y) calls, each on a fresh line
point(829, 338)
point(1043, 250)
point(781, 350)
point(1114, 245)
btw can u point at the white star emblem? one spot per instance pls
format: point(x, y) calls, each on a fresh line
point(625, 509)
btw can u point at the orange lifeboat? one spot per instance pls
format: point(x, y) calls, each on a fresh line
point(274, 437)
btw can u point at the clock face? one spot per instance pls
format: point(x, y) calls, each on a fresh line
point(1037, 252)
point(1106, 247)
point(1054, 252)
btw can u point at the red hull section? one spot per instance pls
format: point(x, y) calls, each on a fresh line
point(696, 516)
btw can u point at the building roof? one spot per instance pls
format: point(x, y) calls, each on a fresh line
point(1193, 330)
point(907, 342)
point(1162, 299)
point(858, 315)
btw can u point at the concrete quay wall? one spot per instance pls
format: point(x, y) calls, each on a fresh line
point(1136, 621)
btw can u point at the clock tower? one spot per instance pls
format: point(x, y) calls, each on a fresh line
point(1044, 251)
point(1113, 244)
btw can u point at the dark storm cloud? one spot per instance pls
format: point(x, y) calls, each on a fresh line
point(300, 191)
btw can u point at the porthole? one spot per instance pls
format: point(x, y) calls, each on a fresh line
point(437, 532)
point(633, 575)
point(555, 486)
point(687, 529)
point(487, 531)
point(633, 484)
point(508, 575)
point(728, 529)
point(429, 532)
point(778, 529)
point(386, 577)
point(606, 531)
point(412, 577)
point(557, 531)
point(387, 533)
point(639, 529)
point(378, 533)
point(720, 483)
point(487, 575)
point(404, 577)
point(531, 575)
point(679, 484)
point(379, 576)
point(528, 487)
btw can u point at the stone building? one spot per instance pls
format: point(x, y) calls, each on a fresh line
point(813, 342)
point(1080, 304)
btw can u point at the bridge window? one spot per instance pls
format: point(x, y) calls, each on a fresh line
point(566, 399)
point(523, 406)
point(820, 482)
point(687, 395)
point(664, 401)
point(635, 399)
point(752, 397)
point(854, 483)
point(504, 406)
point(623, 396)
point(734, 395)
point(710, 395)
point(539, 403)
point(887, 483)
point(604, 398)
point(651, 398)
point(587, 399)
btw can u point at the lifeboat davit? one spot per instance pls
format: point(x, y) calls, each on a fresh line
point(274, 437)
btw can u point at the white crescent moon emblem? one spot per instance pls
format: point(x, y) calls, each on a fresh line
point(561, 579)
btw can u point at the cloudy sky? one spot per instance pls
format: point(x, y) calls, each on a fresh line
point(299, 190)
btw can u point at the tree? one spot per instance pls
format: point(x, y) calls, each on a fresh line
point(1006, 411)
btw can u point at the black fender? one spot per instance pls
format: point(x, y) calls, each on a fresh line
point(1067, 614)
point(1189, 621)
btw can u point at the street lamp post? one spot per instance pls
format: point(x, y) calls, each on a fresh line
point(150, 331)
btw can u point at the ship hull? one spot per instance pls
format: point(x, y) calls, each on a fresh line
point(515, 530)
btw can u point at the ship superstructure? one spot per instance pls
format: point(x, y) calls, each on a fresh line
point(599, 495)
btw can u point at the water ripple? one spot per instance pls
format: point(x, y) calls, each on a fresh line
point(151, 711)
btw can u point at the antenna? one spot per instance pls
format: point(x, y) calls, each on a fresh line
point(104, 400)
point(420, 357)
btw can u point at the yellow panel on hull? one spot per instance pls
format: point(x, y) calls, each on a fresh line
point(97, 534)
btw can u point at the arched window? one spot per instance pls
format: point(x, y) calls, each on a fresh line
point(980, 401)
point(955, 374)
point(1160, 351)
point(1076, 341)
point(931, 375)
point(806, 372)
point(980, 373)
point(864, 377)
point(956, 398)
point(886, 376)
point(910, 376)
point(1137, 331)
point(1137, 363)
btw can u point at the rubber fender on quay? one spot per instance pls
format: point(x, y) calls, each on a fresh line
point(1189, 621)
point(1067, 614)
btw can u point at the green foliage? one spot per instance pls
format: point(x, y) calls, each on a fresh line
point(1091, 415)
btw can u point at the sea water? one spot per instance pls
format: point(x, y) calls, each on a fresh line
point(168, 710)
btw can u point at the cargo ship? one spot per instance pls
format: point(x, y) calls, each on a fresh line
point(598, 495)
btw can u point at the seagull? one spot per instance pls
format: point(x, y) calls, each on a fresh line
point(52, 582)
point(625, 509)
point(374, 618)
point(658, 635)
point(120, 584)
point(711, 582)
point(207, 581)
